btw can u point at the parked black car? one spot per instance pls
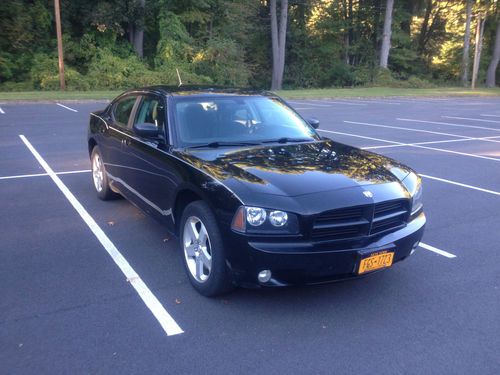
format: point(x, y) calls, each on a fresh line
point(256, 196)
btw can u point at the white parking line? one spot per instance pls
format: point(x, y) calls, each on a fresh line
point(448, 124)
point(164, 318)
point(2, 111)
point(419, 143)
point(460, 184)
point(471, 119)
point(490, 115)
point(415, 145)
point(68, 108)
point(436, 250)
point(407, 129)
point(41, 174)
point(486, 139)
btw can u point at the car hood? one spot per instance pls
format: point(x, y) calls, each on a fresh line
point(296, 169)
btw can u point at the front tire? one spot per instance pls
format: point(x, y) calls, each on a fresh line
point(99, 176)
point(203, 250)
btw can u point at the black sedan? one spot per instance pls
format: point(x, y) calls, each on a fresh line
point(256, 196)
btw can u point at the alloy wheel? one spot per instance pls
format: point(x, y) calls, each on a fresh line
point(197, 249)
point(97, 172)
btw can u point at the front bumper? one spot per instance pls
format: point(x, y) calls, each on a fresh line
point(303, 262)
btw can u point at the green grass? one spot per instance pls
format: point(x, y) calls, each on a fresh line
point(58, 95)
point(385, 92)
point(290, 94)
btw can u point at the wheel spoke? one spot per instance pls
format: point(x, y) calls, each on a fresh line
point(190, 249)
point(199, 268)
point(202, 235)
point(193, 232)
point(206, 258)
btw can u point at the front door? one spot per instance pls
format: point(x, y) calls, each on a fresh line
point(150, 174)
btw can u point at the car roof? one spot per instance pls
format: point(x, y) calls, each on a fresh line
point(198, 90)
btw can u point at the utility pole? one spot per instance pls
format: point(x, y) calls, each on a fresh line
point(59, 45)
point(477, 49)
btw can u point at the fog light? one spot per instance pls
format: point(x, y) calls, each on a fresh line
point(264, 276)
point(415, 245)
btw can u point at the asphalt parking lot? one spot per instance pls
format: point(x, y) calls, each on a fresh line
point(97, 287)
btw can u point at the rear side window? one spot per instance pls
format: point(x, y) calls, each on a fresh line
point(123, 109)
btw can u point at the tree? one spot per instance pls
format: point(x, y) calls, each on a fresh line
point(478, 48)
point(136, 29)
point(465, 56)
point(278, 40)
point(492, 68)
point(386, 37)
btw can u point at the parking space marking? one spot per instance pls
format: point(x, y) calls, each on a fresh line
point(168, 324)
point(448, 124)
point(460, 184)
point(490, 115)
point(68, 108)
point(407, 129)
point(471, 119)
point(41, 174)
point(436, 250)
point(2, 111)
point(415, 145)
point(420, 143)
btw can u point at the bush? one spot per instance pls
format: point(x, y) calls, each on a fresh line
point(108, 71)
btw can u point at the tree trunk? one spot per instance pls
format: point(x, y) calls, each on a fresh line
point(477, 49)
point(138, 35)
point(386, 37)
point(278, 40)
point(465, 57)
point(492, 68)
point(425, 27)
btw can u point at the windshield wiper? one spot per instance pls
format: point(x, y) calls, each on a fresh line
point(223, 144)
point(288, 140)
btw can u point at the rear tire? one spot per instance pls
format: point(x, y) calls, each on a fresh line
point(203, 251)
point(99, 177)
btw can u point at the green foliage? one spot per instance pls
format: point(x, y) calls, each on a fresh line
point(223, 61)
point(227, 42)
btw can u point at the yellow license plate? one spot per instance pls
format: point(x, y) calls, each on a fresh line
point(376, 261)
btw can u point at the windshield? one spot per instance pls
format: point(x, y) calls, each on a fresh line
point(236, 120)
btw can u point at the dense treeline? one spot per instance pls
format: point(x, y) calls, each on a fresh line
point(263, 43)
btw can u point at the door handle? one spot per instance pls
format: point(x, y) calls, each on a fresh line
point(126, 142)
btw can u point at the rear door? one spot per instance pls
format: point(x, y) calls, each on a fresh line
point(119, 132)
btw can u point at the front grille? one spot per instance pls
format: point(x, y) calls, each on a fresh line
point(360, 221)
point(389, 216)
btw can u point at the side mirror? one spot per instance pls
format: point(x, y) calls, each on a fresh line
point(314, 122)
point(146, 130)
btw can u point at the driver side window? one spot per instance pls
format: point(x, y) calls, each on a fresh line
point(152, 111)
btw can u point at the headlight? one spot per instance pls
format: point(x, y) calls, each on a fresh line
point(278, 218)
point(413, 184)
point(257, 220)
point(256, 216)
point(417, 203)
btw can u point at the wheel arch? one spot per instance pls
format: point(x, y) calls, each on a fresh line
point(91, 144)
